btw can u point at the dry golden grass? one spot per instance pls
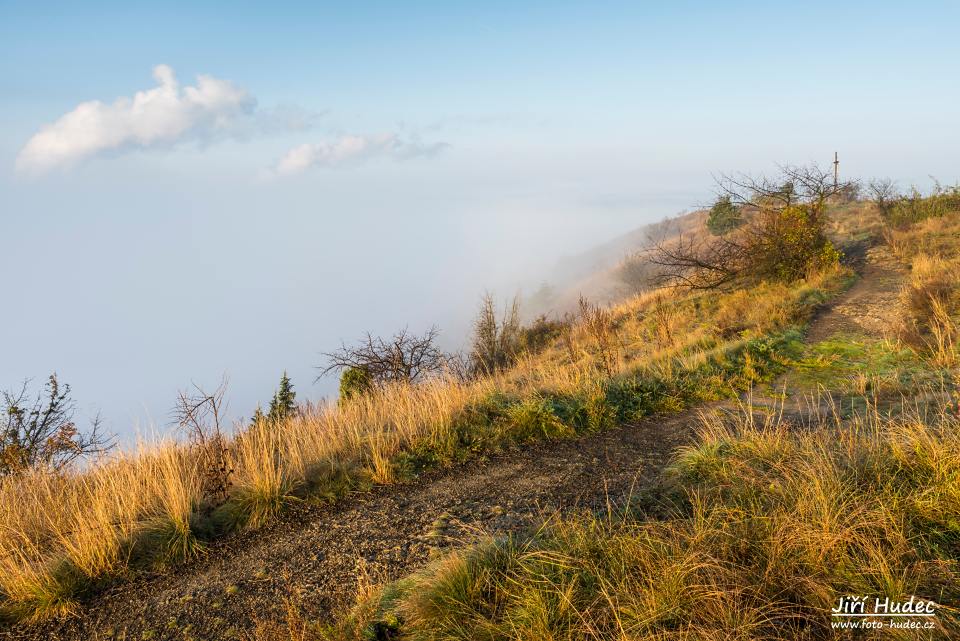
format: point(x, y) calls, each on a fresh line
point(768, 521)
point(771, 523)
point(931, 297)
point(856, 221)
point(933, 236)
point(60, 534)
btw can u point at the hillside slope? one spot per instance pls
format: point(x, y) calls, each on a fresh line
point(323, 557)
point(411, 479)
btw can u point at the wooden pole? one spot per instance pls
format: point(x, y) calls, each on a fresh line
point(836, 170)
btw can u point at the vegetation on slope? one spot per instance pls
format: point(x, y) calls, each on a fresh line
point(762, 525)
point(769, 523)
point(64, 535)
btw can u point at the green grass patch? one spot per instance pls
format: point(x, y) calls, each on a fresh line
point(854, 365)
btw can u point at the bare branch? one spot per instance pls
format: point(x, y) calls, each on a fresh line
point(782, 236)
point(403, 357)
point(199, 414)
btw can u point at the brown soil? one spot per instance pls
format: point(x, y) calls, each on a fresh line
point(871, 306)
point(322, 553)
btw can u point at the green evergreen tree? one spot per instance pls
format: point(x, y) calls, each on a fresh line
point(355, 381)
point(283, 402)
point(724, 217)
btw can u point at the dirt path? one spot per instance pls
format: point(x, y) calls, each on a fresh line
point(320, 552)
point(323, 553)
point(871, 306)
point(869, 310)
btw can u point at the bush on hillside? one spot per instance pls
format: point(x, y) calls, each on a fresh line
point(724, 216)
point(403, 358)
point(496, 339)
point(783, 237)
point(499, 340)
point(354, 382)
point(199, 414)
point(540, 334)
point(914, 207)
point(40, 433)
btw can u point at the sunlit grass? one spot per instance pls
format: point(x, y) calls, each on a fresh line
point(771, 522)
point(148, 507)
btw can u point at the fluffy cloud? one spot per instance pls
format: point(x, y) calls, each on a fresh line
point(161, 116)
point(351, 150)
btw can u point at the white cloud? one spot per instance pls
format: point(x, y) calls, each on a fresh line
point(161, 116)
point(351, 150)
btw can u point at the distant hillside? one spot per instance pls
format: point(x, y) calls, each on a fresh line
point(596, 273)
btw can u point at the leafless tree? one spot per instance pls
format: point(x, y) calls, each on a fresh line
point(405, 356)
point(809, 185)
point(783, 236)
point(200, 414)
point(457, 366)
point(699, 264)
point(41, 433)
point(884, 194)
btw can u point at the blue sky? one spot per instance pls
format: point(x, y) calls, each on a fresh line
point(364, 166)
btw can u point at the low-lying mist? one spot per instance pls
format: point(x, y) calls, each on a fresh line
point(197, 285)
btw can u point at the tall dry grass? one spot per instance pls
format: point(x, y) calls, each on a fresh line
point(63, 534)
point(931, 301)
point(771, 520)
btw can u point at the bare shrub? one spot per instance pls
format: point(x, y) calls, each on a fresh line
point(199, 414)
point(496, 339)
point(598, 322)
point(884, 194)
point(41, 433)
point(404, 357)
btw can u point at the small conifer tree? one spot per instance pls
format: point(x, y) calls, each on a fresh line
point(283, 402)
point(354, 382)
point(724, 217)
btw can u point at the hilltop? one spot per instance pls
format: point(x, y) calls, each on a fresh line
point(678, 463)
